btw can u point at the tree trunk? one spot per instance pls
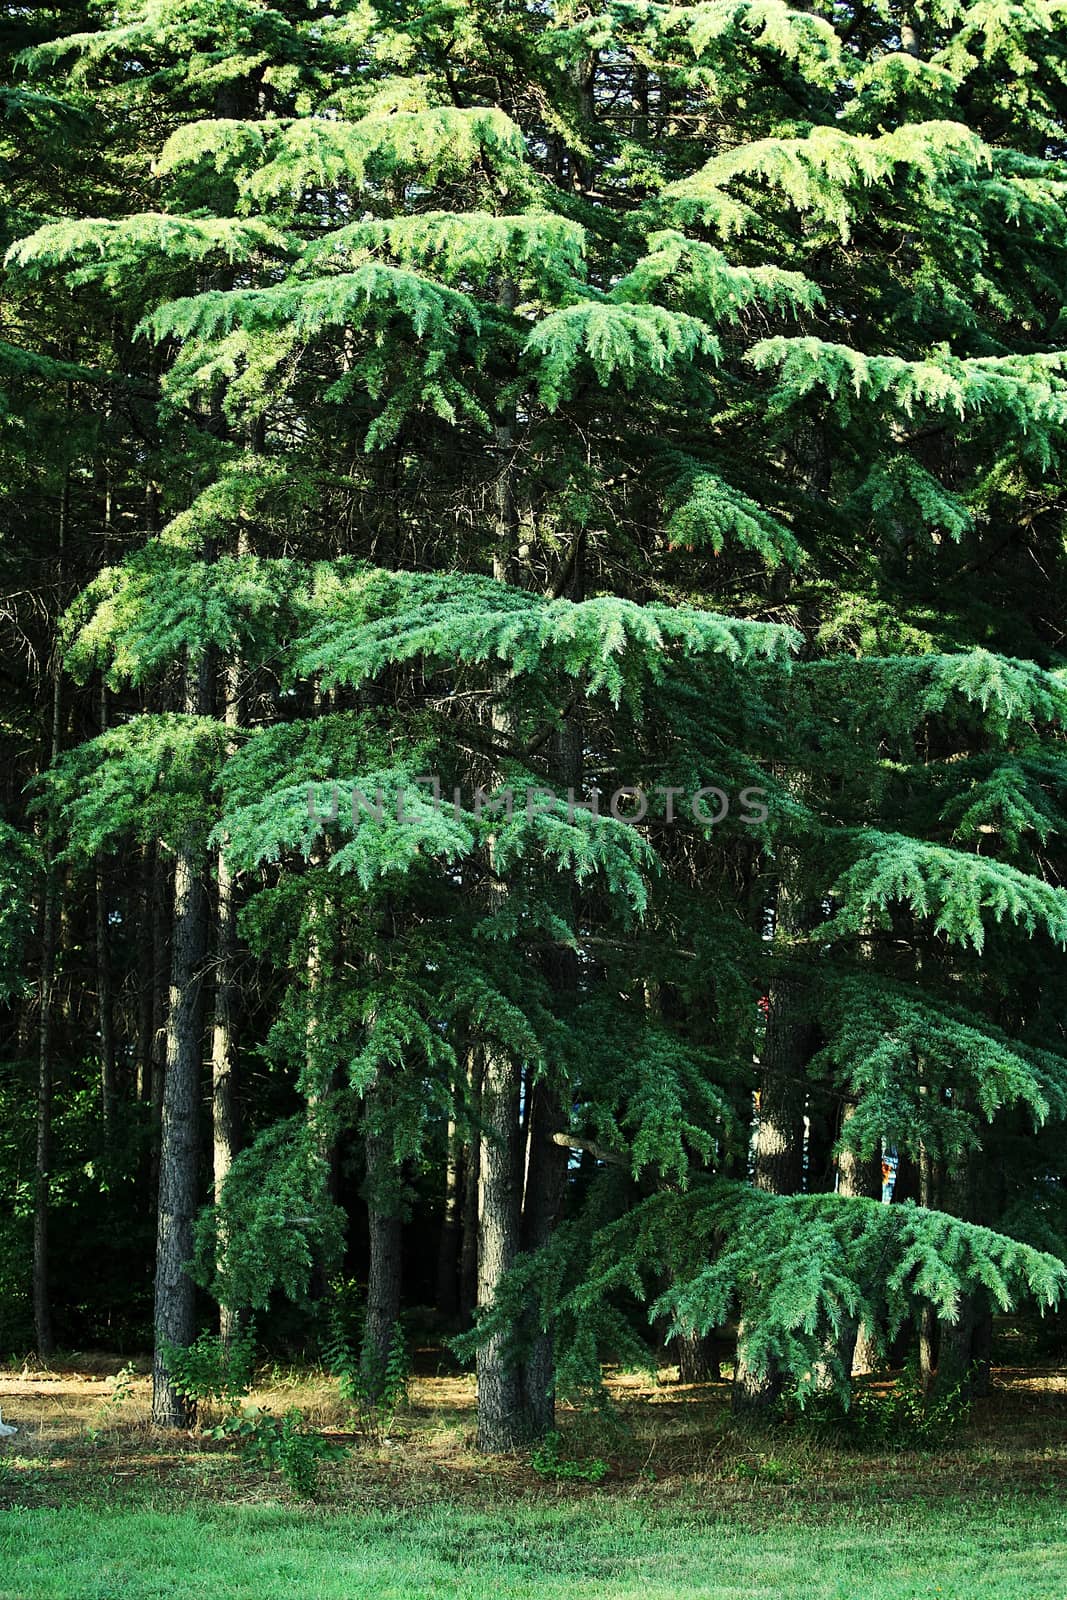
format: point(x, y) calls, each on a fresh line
point(928, 1324)
point(386, 1237)
point(982, 1346)
point(547, 1110)
point(858, 1177)
point(955, 1339)
point(754, 1392)
point(42, 1310)
point(500, 1400)
point(104, 1004)
point(779, 1156)
point(954, 1342)
point(104, 1007)
point(42, 1176)
point(223, 1119)
point(694, 1358)
point(779, 1153)
point(145, 973)
point(223, 1113)
point(162, 914)
point(175, 1302)
point(468, 1251)
point(319, 1073)
point(866, 1355)
point(175, 1293)
point(546, 1179)
point(447, 1294)
point(820, 1169)
point(906, 1186)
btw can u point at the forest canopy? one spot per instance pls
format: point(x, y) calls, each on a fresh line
point(404, 407)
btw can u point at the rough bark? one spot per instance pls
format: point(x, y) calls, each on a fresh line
point(162, 915)
point(754, 1393)
point(982, 1346)
point(911, 36)
point(319, 1073)
point(546, 1178)
point(820, 1168)
point(779, 1154)
point(175, 1294)
point(778, 1165)
point(500, 1401)
point(468, 1250)
point(104, 1001)
point(547, 1110)
point(448, 1244)
point(145, 971)
point(42, 1175)
point(956, 1337)
point(928, 1326)
point(954, 1345)
point(175, 1302)
point(905, 1187)
point(858, 1177)
point(696, 1363)
point(223, 1107)
point(386, 1237)
point(223, 1116)
point(42, 1311)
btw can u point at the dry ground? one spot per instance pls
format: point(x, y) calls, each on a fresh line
point(85, 1431)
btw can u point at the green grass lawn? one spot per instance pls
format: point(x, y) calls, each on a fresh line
point(95, 1504)
point(1007, 1549)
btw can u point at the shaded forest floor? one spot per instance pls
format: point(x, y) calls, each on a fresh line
point(96, 1505)
point(84, 1434)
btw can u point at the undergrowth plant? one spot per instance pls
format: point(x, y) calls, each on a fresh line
point(886, 1419)
point(210, 1369)
point(287, 1444)
point(550, 1461)
point(120, 1387)
point(372, 1389)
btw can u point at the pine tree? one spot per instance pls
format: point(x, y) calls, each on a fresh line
point(779, 374)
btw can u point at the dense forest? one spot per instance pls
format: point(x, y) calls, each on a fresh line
point(532, 766)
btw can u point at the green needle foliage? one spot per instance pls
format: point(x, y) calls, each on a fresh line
point(658, 399)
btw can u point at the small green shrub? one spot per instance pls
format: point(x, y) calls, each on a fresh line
point(120, 1387)
point(373, 1390)
point(897, 1418)
point(286, 1444)
point(208, 1369)
point(548, 1461)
